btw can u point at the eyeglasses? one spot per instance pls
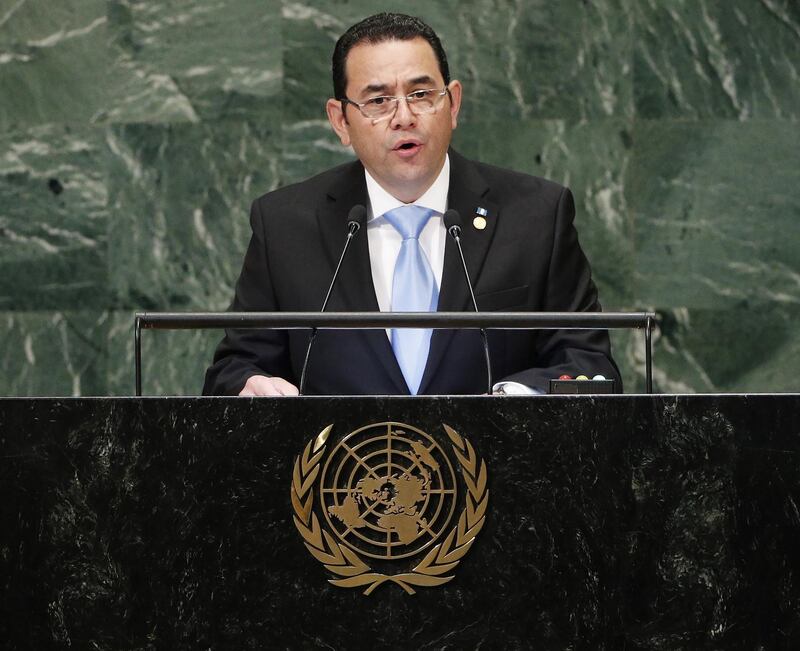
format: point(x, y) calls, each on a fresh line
point(384, 106)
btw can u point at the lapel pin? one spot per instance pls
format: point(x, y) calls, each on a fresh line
point(480, 221)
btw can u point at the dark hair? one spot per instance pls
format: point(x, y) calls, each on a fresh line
point(377, 29)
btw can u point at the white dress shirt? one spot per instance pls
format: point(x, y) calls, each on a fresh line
point(385, 241)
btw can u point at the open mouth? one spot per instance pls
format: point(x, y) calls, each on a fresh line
point(407, 148)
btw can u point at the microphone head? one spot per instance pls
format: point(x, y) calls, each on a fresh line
point(452, 222)
point(356, 218)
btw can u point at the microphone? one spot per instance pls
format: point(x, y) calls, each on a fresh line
point(355, 219)
point(452, 222)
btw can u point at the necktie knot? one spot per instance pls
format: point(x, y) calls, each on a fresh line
point(409, 220)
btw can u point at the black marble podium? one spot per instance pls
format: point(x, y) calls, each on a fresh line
point(615, 522)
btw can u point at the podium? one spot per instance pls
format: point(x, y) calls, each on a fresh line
point(612, 522)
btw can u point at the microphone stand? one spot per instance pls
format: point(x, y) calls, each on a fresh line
point(357, 215)
point(455, 232)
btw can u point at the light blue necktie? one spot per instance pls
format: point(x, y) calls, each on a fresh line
point(413, 290)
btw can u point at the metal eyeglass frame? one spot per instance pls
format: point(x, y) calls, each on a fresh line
point(396, 99)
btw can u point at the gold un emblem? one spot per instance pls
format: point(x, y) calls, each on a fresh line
point(388, 493)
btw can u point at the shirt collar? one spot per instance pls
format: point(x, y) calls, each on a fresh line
point(435, 197)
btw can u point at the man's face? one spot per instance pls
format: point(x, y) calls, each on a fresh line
point(405, 152)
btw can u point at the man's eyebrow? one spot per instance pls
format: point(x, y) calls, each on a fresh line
point(383, 88)
point(375, 88)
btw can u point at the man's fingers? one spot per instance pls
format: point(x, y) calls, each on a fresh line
point(286, 388)
point(261, 385)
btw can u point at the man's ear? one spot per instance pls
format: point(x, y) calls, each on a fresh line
point(338, 120)
point(455, 101)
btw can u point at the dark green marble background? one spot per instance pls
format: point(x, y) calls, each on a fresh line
point(134, 134)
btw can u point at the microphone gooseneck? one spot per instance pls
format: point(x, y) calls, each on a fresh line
point(452, 222)
point(355, 218)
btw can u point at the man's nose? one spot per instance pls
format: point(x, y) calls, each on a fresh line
point(403, 115)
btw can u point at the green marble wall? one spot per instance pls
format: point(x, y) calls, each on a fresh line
point(134, 134)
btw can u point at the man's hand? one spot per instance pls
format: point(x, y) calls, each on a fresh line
point(261, 385)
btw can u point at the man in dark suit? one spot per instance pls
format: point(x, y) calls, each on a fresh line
point(396, 106)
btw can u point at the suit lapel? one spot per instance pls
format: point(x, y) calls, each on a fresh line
point(467, 194)
point(355, 278)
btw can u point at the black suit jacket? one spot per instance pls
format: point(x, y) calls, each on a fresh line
point(526, 259)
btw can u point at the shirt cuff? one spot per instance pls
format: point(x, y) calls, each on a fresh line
point(515, 389)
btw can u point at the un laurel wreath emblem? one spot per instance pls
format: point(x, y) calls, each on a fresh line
point(388, 493)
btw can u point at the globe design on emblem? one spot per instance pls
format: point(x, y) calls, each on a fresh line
point(388, 490)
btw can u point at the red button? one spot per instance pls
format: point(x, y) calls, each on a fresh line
point(565, 377)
